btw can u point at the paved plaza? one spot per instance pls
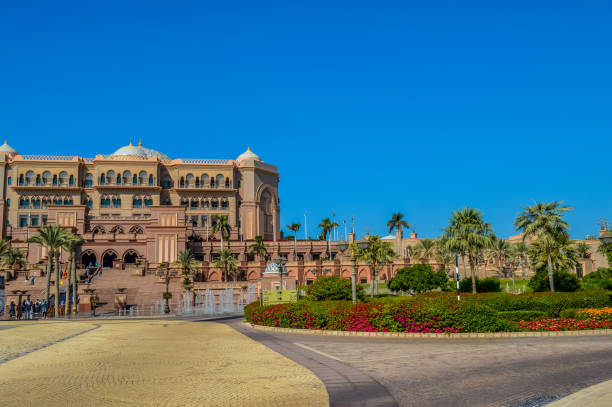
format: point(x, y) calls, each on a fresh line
point(227, 363)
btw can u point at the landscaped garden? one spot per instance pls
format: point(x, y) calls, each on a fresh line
point(327, 307)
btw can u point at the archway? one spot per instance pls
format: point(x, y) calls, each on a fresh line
point(130, 256)
point(108, 258)
point(88, 257)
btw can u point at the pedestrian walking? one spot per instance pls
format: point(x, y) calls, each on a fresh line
point(19, 310)
point(44, 309)
point(12, 310)
point(32, 279)
point(27, 305)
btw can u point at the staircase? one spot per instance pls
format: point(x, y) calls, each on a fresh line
point(141, 291)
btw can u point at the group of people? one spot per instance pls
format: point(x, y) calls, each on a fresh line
point(28, 309)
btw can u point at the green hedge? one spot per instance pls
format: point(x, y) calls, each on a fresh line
point(521, 315)
point(486, 285)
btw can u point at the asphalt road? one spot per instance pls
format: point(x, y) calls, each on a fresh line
point(439, 372)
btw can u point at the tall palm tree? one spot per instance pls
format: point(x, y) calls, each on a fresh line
point(259, 248)
point(327, 226)
point(397, 222)
point(554, 251)
point(186, 262)
point(520, 251)
point(583, 251)
point(468, 234)
point(52, 238)
point(71, 244)
point(294, 227)
point(227, 262)
point(425, 250)
point(545, 221)
point(499, 252)
point(444, 257)
point(222, 225)
point(376, 255)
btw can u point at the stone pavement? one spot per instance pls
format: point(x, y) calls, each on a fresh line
point(599, 395)
point(147, 363)
point(463, 372)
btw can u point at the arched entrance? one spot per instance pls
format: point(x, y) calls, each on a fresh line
point(108, 258)
point(130, 256)
point(88, 257)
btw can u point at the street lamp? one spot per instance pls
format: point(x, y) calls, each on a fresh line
point(167, 274)
point(280, 261)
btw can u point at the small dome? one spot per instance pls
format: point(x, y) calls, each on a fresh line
point(248, 154)
point(5, 148)
point(139, 151)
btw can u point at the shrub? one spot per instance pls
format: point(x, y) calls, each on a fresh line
point(521, 315)
point(486, 285)
point(568, 313)
point(418, 278)
point(602, 278)
point(332, 288)
point(564, 281)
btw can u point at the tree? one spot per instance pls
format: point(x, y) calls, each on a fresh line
point(294, 227)
point(221, 224)
point(376, 255)
point(71, 244)
point(186, 262)
point(468, 234)
point(52, 238)
point(544, 221)
point(327, 226)
point(425, 250)
point(606, 250)
point(259, 248)
point(397, 222)
point(227, 262)
point(443, 256)
point(552, 252)
point(520, 251)
point(13, 257)
point(418, 278)
point(583, 251)
point(499, 251)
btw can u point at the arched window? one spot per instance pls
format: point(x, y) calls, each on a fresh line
point(137, 230)
point(45, 202)
point(225, 204)
point(54, 179)
point(197, 182)
point(105, 201)
point(219, 181)
point(182, 183)
point(63, 178)
point(148, 201)
point(127, 175)
point(110, 176)
point(135, 179)
point(167, 182)
point(21, 179)
point(29, 178)
point(205, 204)
point(227, 182)
point(36, 203)
point(212, 182)
point(184, 202)
point(136, 202)
point(88, 202)
point(9, 180)
point(8, 202)
point(195, 203)
point(38, 180)
point(118, 230)
point(57, 200)
point(89, 180)
point(102, 179)
point(142, 177)
point(67, 200)
point(214, 203)
point(151, 180)
point(71, 181)
point(118, 179)
point(116, 202)
point(98, 229)
point(205, 181)
point(189, 181)
point(46, 178)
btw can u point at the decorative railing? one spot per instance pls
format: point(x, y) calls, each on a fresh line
point(202, 161)
point(50, 157)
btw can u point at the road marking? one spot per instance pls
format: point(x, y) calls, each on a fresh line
point(327, 355)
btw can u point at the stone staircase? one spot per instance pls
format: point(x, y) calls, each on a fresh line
point(141, 290)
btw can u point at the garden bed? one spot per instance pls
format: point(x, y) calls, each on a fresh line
point(440, 313)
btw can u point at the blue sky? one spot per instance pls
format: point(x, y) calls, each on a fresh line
point(367, 108)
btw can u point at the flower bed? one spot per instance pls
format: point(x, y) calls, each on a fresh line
point(598, 314)
point(559, 324)
point(440, 313)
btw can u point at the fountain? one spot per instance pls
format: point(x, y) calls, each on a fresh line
point(186, 307)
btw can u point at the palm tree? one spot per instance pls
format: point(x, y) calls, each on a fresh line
point(294, 227)
point(227, 262)
point(377, 254)
point(443, 256)
point(71, 244)
point(327, 226)
point(397, 222)
point(13, 257)
point(554, 251)
point(424, 249)
point(545, 221)
point(186, 262)
point(583, 251)
point(499, 252)
point(222, 225)
point(468, 234)
point(52, 238)
point(259, 248)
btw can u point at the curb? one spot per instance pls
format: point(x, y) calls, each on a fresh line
point(320, 332)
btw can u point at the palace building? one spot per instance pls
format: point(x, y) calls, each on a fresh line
point(136, 202)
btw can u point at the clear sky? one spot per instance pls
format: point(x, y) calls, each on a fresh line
point(367, 108)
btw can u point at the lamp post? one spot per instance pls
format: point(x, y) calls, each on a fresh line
point(457, 275)
point(167, 274)
point(280, 261)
